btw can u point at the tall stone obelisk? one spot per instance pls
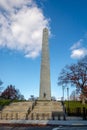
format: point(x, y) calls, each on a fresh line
point(45, 85)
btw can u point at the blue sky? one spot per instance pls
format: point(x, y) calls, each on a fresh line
point(21, 25)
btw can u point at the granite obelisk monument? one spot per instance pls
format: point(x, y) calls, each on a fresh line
point(45, 85)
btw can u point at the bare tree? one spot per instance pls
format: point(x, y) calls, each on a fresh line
point(1, 82)
point(75, 75)
point(74, 96)
point(0, 86)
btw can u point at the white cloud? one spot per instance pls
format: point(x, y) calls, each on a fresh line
point(77, 44)
point(9, 4)
point(77, 51)
point(21, 25)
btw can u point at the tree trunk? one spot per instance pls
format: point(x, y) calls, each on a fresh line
point(83, 99)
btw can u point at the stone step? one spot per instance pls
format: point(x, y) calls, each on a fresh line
point(13, 115)
point(40, 116)
point(45, 109)
point(17, 110)
point(42, 110)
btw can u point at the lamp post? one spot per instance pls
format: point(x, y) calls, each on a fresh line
point(68, 98)
point(63, 92)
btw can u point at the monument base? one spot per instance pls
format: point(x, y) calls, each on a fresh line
point(46, 110)
point(43, 99)
point(38, 110)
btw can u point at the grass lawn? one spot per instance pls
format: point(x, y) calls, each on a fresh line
point(75, 108)
point(4, 102)
point(75, 104)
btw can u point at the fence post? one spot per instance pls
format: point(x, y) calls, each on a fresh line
point(1, 116)
point(84, 113)
point(16, 116)
point(52, 116)
point(64, 117)
point(78, 111)
point(58, 116)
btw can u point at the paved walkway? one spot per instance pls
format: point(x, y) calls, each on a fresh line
point(44, 122)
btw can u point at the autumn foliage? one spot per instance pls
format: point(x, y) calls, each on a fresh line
point(11, 93)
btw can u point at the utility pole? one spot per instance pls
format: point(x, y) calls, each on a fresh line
point(68, 98)
point(63, 92)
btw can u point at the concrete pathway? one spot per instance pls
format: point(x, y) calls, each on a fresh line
point(44, 122)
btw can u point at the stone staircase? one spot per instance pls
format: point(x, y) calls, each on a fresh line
point(17, 110)
point(46, 110)
point(38, 110)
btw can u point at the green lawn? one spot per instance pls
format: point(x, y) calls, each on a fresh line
point(75, 104)
point(4, 102)
point(75, 108)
